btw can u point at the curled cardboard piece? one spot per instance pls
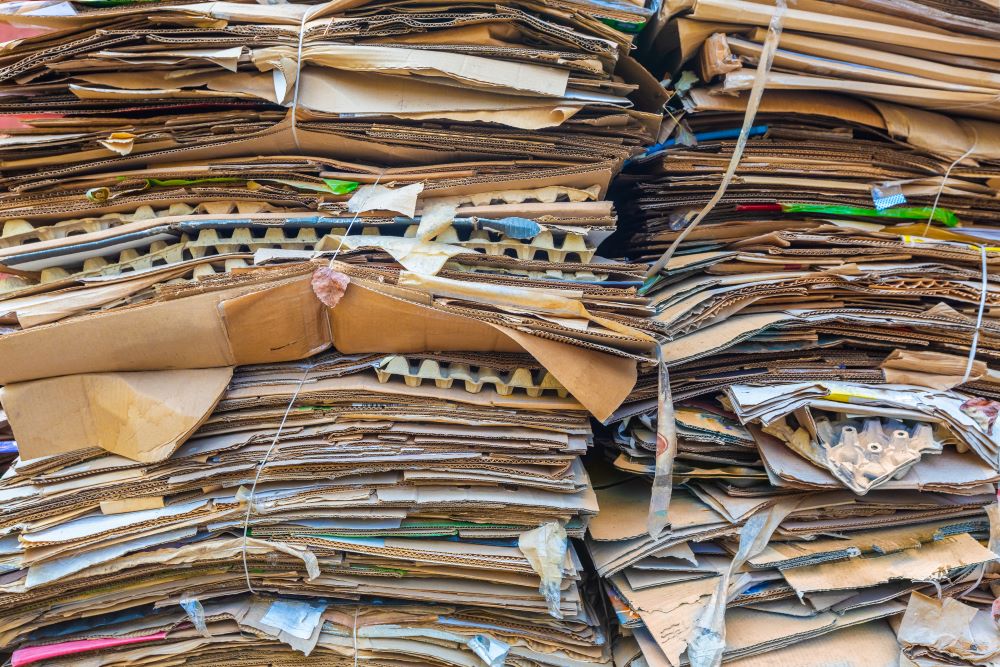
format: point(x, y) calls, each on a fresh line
point(600, 381)
point(143, 416)
point(367, 320)
point(928, 561)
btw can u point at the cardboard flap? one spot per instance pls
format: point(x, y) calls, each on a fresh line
point(368, 321)
point(254, 324)
point(600, 381)
point(941, 133)
point(143, 416)
point(284, 323)
point(183, 333)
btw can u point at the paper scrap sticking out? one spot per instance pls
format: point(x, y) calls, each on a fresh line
point(492, 651)
point(436, 216)
point(119, 142)
point(416, 255)
point(381, 198)
point(299, 619)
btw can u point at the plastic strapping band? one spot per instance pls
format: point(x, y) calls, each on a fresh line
point(284, 418)
point(298, 75)
point(933, 582)
point(979, 580)
point(355, 218)
point(260, 469)
point(666, 451)
point(979, 319)
point(944, 179)
point(756, 92)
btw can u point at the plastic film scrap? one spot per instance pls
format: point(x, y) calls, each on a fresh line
point(545, 548)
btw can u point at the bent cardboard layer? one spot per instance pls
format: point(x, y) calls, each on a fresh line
point(262, 322)
point(366, 320)
point(256, 323)
point(143, 416)
point(139, 381)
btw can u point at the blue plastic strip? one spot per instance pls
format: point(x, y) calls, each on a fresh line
point(755, 131)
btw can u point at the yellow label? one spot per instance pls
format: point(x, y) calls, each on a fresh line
point(847, 395)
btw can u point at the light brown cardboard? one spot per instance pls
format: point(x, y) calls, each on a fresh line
point(143, 416)
point(360, 323)
point(750, 632)
point(364, 312)
point(131, 505)
point(935, 370)
point(258, 323)
point(472, 70)
point(738, 11)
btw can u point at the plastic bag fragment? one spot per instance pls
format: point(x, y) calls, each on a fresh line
point(666, 451)
point(887, 195)
point(195, 612)
point(708, 640)
point(545, 548)
point(491, 651)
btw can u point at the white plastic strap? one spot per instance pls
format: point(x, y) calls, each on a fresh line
point(350, 225)
point(260, 469)
point(979, 318)
point(944, 179)
point(281, 426)
point(298, 75)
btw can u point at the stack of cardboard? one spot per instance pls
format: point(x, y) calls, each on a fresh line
point(374, 490)
point(308, 312)
point(929, 55)
point(827, 291)
point(302, 316)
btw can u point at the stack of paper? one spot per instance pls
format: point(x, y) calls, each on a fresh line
point(826, 402)
point(303, 325)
